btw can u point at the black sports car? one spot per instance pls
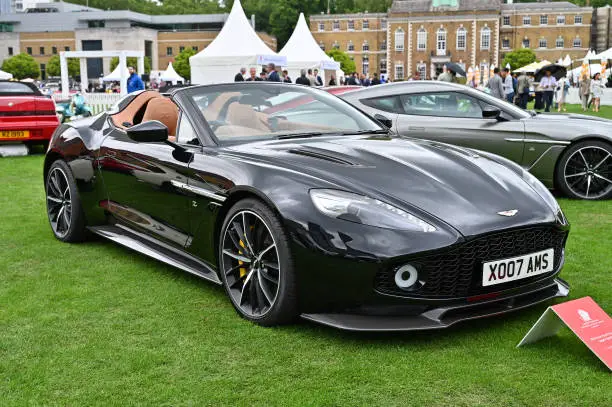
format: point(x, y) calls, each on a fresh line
point(300, 204)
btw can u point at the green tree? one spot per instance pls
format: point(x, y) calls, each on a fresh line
point(53, 66)
point(21, 66)
point(181, 63)
point(132, 61)
point(346, 63)
point(282, 21)
point(519, 58)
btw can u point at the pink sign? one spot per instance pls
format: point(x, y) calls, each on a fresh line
point(585, 318)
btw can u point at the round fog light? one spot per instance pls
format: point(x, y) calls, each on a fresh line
point(406, 276)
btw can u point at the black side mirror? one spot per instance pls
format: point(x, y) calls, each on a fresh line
point(148, 132)
point(491, 112)
point(385, 121)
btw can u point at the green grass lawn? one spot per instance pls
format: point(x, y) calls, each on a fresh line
point(604, 111)
point(97, 324)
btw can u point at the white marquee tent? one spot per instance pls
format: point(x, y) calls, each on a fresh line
point(303, 52)
point(170, 75)
point(5, 75)
point(237, 45)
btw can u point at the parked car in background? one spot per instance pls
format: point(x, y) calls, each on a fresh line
point(26, 115)
point(569, 152)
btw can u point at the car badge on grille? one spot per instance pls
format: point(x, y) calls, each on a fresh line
point(509, 213)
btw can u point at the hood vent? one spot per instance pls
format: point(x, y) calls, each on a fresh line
point(321, 156)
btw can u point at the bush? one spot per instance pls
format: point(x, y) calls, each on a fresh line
point(21, 66)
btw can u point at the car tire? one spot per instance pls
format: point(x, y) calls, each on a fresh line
point(585, 171)
point(261, 286)
point(64, 209)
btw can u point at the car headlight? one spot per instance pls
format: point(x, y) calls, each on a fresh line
point(366, 210)
point(544, 193)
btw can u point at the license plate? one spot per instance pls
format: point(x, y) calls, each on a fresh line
point(16, 134)
point(516, 268)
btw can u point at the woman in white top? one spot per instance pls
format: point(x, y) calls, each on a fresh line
point(563, 86)
point(597, 90)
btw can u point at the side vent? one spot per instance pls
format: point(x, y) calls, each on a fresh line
point(321, 156)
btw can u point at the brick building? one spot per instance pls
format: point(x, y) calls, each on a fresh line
point(423, 35)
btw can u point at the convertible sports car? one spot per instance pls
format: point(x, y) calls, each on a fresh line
point(570, 152)
point(25, 114)
point(299, 204)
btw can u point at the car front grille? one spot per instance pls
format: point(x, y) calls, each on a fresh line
point(457, 270)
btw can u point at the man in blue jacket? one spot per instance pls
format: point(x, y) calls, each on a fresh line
point(134, 82)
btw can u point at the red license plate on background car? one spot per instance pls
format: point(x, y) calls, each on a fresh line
point(516, 268)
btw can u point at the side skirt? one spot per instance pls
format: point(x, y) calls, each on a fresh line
point(158, 250)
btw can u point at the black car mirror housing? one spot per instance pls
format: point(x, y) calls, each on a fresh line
point(491, 112)
point(148, 132)
point(385, 121)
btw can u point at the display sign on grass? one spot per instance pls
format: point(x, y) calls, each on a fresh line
point(585, 318)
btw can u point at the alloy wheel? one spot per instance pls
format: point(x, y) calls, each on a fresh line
point(59, 202)
point(251, 264)
point(588, 172)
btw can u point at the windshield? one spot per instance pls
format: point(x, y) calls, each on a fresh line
point(248, 112)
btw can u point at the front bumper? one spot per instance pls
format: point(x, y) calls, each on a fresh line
point(443, 316)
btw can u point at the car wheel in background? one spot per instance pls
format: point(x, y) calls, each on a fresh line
point(256, 266)
point(64, 204)
point(585, 170)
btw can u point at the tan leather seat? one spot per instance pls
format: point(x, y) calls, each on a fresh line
point(244, 115)
point(127, 115)
point(163, 110)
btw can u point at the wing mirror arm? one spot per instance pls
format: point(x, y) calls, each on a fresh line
point(180, 153)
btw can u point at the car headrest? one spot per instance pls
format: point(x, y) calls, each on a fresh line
point(163, 110)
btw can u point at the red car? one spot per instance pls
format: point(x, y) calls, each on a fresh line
point(26, 115)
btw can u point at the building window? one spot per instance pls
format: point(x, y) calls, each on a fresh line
point(10, 50)
point(526, 43)
point(365, 25)
point(322, 45)
point(365, 47)
point(42, 50)
point(543, 20)
point(485, 38)
point(383, 25)
point(54, 50)
point(577, 43)
point(336, 45)
point(526, 20)
point(181, 49)
point(66, 49)
point(421, 39)
point(399, 40)
point(542, 43)
point(461, 38)
point(383, 65)
point(577, 19)
point(399, 72)
point(365, 65)
point(321, 26)
point(29, 50)
point(350, 47)
point(560, 20)
point(351, 25)
point(195, 48)
point(441, 42)
point(422, 70)
point(383, 45)
point(95, 24)
point(168, 51)
point(560, 43)
point(336, 25)
point(505, 43)
point(506, 20)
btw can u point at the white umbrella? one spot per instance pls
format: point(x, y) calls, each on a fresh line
point(5, 75)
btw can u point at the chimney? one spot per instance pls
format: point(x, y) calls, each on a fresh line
point(253, 21)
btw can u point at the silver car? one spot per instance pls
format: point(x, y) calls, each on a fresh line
point(569, 152)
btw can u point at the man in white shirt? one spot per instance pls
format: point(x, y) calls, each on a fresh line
point(548, 84)
point(508, 85)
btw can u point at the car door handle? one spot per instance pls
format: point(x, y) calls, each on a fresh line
point(411, 128)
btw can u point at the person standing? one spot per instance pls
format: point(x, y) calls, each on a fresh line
point(332, 80)
point(548, 84)
point(508, 85)
point(286, 78)
point(240, 75)
point(446, 75)
point(364, 80)
point(597, 90)
point(375, 81)
point(318, 80)
point(523, 90)
point(134, 83)
point(303, 80)
point(273, 75)
point(585, 91)
point(253, 76)
point(496, 85)
point(563, 91)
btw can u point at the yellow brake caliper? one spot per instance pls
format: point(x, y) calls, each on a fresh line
point(243, 271)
